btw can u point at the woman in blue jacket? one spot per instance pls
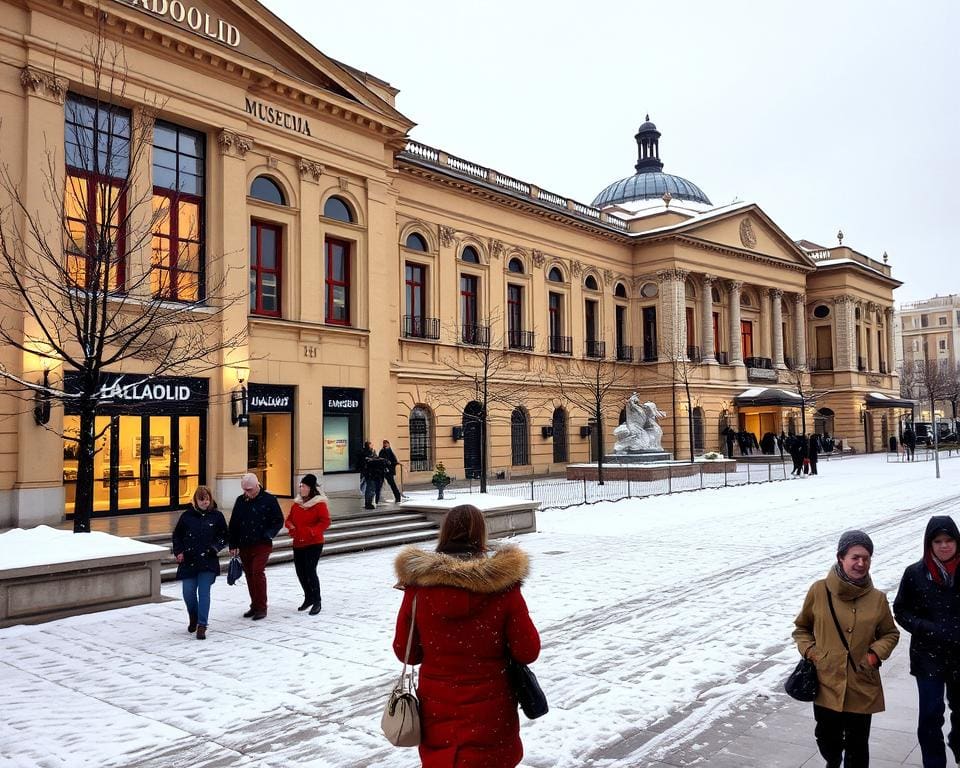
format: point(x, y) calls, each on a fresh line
point(928, 607)
point(200, 534)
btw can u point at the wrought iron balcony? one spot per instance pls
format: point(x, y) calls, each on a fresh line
point(723, 358)
point(561, 345)
point(421, 327)
point(477, 335)
point(693, 354)
point(624, 353)
point(883, 368)
point(764, 363)
point(596, 349)
point(520, 340)
point(650, 353)
point(821, 364)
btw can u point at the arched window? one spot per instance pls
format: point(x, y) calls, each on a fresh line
point(335, 208)
point(515, 266)
point(415, 242)
point(470, 255)
point(590, 283)
point(561, 454)
point(519, 438)
point(620, 291)
point(266, 189)
point(690, 290)
point(555, 275)
point(419, 427)
point(823, 421)
point(715, 295)
point(745, 300)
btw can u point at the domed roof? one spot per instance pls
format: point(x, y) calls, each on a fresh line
point(649, 182)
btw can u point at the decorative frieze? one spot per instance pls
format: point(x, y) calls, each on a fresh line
point(232, 143)
point(37, 82)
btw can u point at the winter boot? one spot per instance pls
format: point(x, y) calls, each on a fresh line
point(307, 602)
point(316, 608)
point(201, 632)
point(192, 626)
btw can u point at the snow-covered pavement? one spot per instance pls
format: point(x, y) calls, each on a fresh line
point(658, 616)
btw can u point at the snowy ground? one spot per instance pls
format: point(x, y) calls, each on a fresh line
point(646, 607)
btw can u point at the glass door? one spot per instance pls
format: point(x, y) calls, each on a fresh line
point(188, 453)
point(161, 461)
point(132, 459)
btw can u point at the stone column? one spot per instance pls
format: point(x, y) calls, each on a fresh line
point(764, 337)
point(891, 339)
point(706, 319)
point(673, 315)
point(736, 345)
point(776, 296)
point(800, 331)
point(845, 325)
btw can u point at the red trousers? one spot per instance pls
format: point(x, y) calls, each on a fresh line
point(254, 559)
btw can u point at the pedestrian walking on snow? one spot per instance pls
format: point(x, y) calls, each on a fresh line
point(390, 470)
point(846, 629)
point(255, 520)
point(469, 614)
point(309, 518)
point(200, 534)
point(928, 607)
point(374, 470)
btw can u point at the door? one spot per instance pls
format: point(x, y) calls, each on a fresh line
point(824, 361)
point(472, 440)
point(649, 334)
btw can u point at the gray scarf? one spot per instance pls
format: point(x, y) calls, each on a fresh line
point(856, 582)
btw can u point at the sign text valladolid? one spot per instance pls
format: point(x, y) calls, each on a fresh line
point(200, 21)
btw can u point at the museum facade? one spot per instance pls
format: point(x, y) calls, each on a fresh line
point(376, 273)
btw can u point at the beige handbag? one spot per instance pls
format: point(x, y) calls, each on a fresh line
point(401, 717)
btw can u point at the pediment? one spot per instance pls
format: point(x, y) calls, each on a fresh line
point(245, 29)
point(751, 230)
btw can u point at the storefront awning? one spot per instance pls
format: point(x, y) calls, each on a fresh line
point(880, 400)
point(768, 396)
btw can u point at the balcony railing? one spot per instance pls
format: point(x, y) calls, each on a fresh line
point(861, 364)
point(624, 353)
point(421, 327)
point(596, 349)
point(723, 358)
point(883, 368)
point(693, 354)
point(764, 363)
point(520, 340)
point(821, 363)
point(561, 345)
point(650, 353)
point(788, 361)
point(478, 335)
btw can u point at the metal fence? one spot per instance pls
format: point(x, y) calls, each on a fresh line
point(923, 454)
point(559, 493)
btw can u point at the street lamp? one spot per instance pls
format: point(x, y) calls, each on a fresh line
point(238, 399)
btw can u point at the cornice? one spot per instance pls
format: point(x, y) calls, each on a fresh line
point(737, 252)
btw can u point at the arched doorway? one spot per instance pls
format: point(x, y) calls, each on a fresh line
point(419, 426)
point(472, 440)
point(823, 421)
point(697, 429)
point(561, 454)
point(519, 438)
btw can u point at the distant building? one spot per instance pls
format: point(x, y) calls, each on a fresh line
point(930, 330)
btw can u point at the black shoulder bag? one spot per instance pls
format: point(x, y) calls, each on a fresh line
point(526, 689)
point(802, 684)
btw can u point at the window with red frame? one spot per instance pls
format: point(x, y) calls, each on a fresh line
point(265, 274)
point(97, 153)
point(178, 197)
point(415, 298)
point(338, 282)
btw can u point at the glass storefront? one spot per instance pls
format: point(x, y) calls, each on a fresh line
point(149, 444)
point(342, 428)
point(270, 436)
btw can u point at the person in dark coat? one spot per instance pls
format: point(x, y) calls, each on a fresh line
point(813, 452)
point(255, 520)
point(374, 470)
point(796, 454)
point(909, 442)
point(390, 470)
point(200, 534)
point(469, 615)
point(729, 436)
point(742, 443)
point(804, 453)
point(781, 442)
point(928, 607)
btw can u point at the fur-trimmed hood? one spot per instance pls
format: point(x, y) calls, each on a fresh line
point(504, 567)
point(307, 503)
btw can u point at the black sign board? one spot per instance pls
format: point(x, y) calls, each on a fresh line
point(342, 401)
point(269, 398)
point(133, 391)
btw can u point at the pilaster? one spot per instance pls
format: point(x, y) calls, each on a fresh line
point(776, 298)
point(800, 331)
point(706, 320)
point(736, 342)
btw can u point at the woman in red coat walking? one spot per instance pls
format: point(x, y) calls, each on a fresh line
point(308, 519)
point(470, 616)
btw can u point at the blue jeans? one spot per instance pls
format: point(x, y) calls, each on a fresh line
point(930, 720)
point(196, 594)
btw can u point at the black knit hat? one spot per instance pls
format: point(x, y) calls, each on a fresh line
point(853, 538)
point(311, 482)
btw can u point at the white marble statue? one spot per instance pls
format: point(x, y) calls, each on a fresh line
point(640, 432)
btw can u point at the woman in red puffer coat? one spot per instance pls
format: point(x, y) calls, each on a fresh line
point(308, 519)
point(470, 615)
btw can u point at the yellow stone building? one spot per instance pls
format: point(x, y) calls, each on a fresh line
point(375, 266)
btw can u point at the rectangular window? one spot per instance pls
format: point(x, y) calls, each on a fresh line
point(590, 315)
point(621, 326)
point(556, 314)
point(178, 204)
point(943, 345)
point(649, 334)
point(924, 321)
point(415, 298)
point(265, 261)
point(514, 314)
point(338, 282)
point(746, 337)
point(716, 335)
point(97, 152)
point(691, 329)
point(468, 300)
point(942, 320)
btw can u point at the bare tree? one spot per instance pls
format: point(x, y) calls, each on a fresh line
point(86, 284)
point(799, 378)
point(598, 387)
point(933, 381)
point(487, 372)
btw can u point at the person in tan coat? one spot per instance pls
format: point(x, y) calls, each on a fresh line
point(850, 689)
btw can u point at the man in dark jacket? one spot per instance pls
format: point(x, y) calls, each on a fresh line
point(387, 454)
point(813, 452)
point(255, 520)
point(909, 440)
point(729, 436)
point(928, 607)
point(373, 469)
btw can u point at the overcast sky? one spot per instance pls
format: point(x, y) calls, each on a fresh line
point(841, 114)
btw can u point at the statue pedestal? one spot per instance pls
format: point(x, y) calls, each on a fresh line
point(637, 457)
